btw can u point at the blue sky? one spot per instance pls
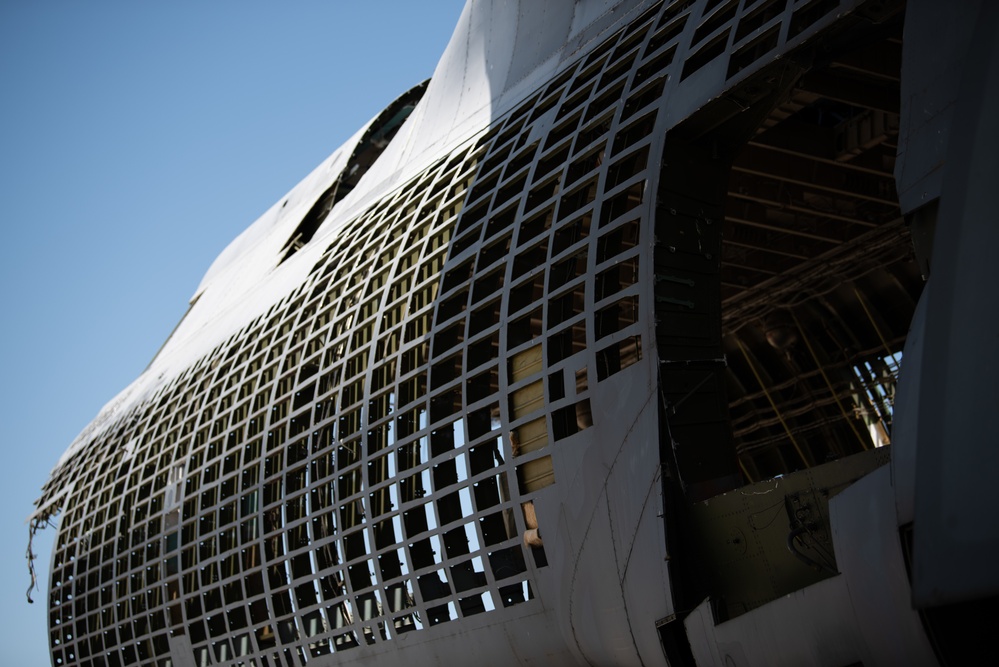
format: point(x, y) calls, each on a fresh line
point(136, 141)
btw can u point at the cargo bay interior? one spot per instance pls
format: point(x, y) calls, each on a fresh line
point(786, 280)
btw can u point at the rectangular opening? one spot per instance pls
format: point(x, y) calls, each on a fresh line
point(617, 357)
point(529, 437)
point(535, 475)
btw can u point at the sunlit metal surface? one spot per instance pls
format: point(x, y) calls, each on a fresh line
point(490, 381)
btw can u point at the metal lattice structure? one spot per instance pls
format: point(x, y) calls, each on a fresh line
point(619, 289)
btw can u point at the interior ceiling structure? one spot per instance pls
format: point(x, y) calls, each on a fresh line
point(818, 277)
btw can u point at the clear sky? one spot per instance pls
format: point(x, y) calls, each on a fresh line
point(136, 140)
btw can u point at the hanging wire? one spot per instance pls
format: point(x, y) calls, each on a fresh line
point(36, 524)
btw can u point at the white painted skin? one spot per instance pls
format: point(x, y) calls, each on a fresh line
point(496, 57)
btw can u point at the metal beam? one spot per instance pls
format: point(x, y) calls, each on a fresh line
point(849, 90)
point(759, 224)
point(882, 60)
point(797, 208)
point(809, 157)
point(830, 176)
point(764, 248)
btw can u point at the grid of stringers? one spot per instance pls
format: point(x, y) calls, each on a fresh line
point(358, 461)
